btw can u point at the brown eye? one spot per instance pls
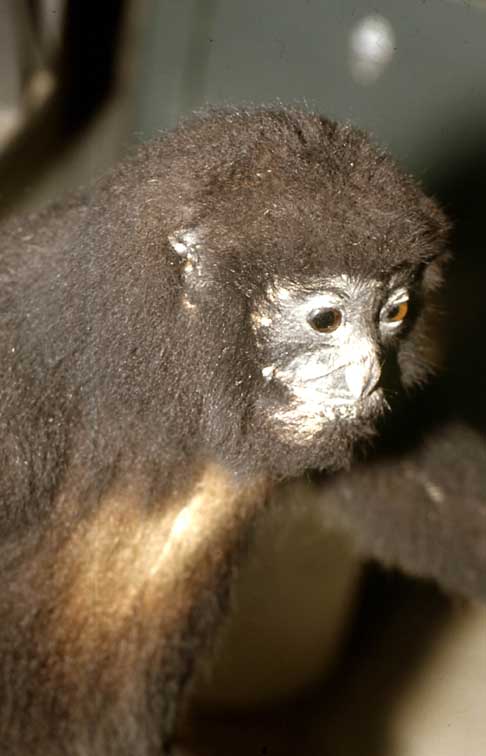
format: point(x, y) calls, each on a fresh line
point(396, 312)
point(326, 320)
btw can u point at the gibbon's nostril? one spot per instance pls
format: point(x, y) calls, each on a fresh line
point(362, 377)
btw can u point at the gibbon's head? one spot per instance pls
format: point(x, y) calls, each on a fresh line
point(307, 258)
point(299, 261)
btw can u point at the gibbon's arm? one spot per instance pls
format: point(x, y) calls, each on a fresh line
point(422, 509)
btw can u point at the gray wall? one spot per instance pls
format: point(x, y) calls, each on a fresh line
point(428, 100)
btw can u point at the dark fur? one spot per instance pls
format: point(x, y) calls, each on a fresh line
point(423, 511)
point(419, 500)
point(109, 383)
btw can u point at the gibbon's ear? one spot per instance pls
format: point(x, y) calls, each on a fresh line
point(186, 245)
point(420, 508)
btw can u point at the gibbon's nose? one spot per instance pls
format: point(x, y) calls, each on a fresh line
point(362, 376)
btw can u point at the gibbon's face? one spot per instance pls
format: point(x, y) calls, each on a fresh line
point(305, 258)
point(323, 349)
point(333, 351)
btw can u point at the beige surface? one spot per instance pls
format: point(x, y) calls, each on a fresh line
point(293, 602)
point(412, 682)
point(441, 711)
point(444, 714)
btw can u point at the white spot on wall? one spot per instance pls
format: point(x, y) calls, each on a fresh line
point(372, 46)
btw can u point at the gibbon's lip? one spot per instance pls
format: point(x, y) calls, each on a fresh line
point(376, 396)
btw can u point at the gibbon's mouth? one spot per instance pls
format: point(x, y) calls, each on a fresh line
point(375, 397)
point(342, 408)
point(375, 404)
point(318, 392)
point(315, 412)
point(344, 385)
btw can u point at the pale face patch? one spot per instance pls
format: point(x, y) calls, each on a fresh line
point(330, 373)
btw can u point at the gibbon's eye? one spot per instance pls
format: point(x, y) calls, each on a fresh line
point(395, 313)
point(326, 320)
